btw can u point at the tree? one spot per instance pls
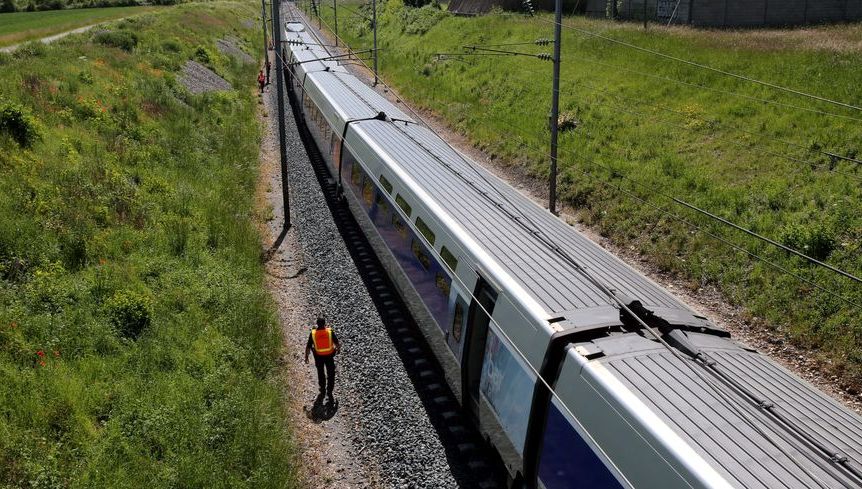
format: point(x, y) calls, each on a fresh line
point(8, 6)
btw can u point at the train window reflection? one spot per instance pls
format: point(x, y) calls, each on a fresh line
point(425, 230)
point(403, 205)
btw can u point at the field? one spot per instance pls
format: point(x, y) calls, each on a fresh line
point(21, 27)
point(138, 344)
point(648, 129)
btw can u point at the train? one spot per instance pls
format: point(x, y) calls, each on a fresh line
point(579, 371)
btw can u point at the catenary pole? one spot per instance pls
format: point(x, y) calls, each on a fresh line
point(279, 86)
point(265, 43)
point(335, 15)
point(374, 24)
point(555, 107)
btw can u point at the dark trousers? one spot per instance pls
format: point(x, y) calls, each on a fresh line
point(326, 380)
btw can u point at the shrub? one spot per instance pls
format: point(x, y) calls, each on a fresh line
point(817, 242)
point(204, 56)
point(418, 21)
point(129, 313)
point(125, 40)
point(32, 49)
point(172, 46)
point(7, 6)
point(18, 123)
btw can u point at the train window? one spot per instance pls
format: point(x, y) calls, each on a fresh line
point(449, 258)
point(399, 225)
point(458, 321)
point(386, 184)
point(442, 281)
point(368, 192)
point(425, 230)
point(403, 205)
point(420, 254)
point(355, 174)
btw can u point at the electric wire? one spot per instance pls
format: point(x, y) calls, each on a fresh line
point(717, 90)
point(740, 412)
point(617, 106)
point(664, 211)
point(766, 239)
point(704, 67)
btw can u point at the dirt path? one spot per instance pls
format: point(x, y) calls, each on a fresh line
point(50, 39)
point(708, 300)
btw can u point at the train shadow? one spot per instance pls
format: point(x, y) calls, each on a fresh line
point(472, 462)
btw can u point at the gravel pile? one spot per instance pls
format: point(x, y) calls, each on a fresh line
point(391, 429)
point(197, 78)
point(230, 47)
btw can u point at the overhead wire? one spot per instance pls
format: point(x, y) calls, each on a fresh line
point(730, 402)
point(666, 212)
point(704, 67)
point(766, 239)
point(600, 92)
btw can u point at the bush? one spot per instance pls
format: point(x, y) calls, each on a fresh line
point(817, 242)
point(204, 56)
point(418, 21)
point(7, 6)
point(125, 40)
point(17, 122)
point(129, 313)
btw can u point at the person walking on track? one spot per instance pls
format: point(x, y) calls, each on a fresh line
point(261, 80)
point(324, 344)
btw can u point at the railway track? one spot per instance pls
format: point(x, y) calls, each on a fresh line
point(473, 464)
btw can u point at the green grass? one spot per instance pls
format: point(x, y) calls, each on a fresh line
point(138, 344)
point(645, 136)
point(19, 27)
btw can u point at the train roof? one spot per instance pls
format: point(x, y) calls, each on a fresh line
point(352, 99)
point(308, 51)
point(718, 432)
point(504, 221)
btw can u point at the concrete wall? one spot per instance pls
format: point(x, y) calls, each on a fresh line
point(734, 13)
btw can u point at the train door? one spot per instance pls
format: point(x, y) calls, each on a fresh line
point(476, 335)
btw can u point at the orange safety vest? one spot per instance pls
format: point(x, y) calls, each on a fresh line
point(322, 339)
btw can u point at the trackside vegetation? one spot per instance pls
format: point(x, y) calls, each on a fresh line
point(636, 138)
point(138, 344)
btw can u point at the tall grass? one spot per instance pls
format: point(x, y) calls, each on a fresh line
point(137, 341)
point(640, 135)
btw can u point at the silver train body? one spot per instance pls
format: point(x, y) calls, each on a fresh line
point(479, 264)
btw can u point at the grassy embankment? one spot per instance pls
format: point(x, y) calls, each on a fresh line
point(712, 149)
point(21, 27)
point(137, 341)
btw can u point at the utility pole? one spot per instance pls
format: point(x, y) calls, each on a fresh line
point(279, 86)
point(374, 24)
point(265, 43)
point(335, 14)
point(645, 11)
point(555, 106)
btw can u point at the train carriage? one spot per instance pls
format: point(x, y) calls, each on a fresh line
point(540, 331)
